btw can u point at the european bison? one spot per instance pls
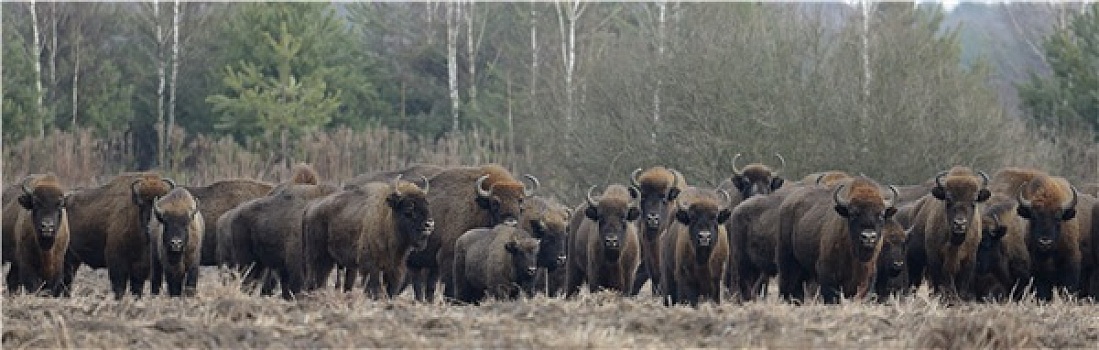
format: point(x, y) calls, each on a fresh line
point(892, 275)
point(547, 220)
point(754, 179)
point(949, 221)
point(833, 237)
point(604, 247)
point(217, 198)
point(39, 234)
point(109, 228)
point(659, 188)
point(176, 236)
point(370, 228)
point(695, 249)
point(1003, 263)
point(414, 171)
point(497, 262)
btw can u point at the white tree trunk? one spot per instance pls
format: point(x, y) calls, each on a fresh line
point(471, 54)
point(175, 71)
point(865, 120)
point(452, 62)
point(568, 51)
point(39, 124)
point(533, 55)
point(662, 9)
point(76, 78)
point(53, 47)
point(160, 75)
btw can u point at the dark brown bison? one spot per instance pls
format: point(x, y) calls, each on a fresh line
point(39, 236)
point(217, 198)
point(1003, 263)
point(659, 188)
point(370, 229)
point(109, 228)
point(547, 220)
point(695, 249)
point(1048, 205)
point(950, 223)
point(463, 198)
point(498, 262)
point(832, 237)
point(267, 235)
point(604, 249)
point(891, 277)
point(176, 236)
point(414, 171)
point(1089, 260)
point(754, 179)
point(1094, 278)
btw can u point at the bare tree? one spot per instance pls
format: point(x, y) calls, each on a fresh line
point(567, 21)
point(452, 13)
point(39, 121)
point(175, 70)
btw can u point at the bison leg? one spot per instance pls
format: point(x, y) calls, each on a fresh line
point(175, 283)
point(190, 286)
point(119, 276)
point(157, 278)
point(643, 275)
point(350, 274)
point(12, 279)
point(394, 280)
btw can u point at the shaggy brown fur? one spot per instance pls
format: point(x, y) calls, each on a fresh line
point(659, 188)
point(1053, 239)
point(457, 206)
point(370, 228)
point(547, 220)
point(892, 274)
point(217, 198)
point(604, 249)
point(109, 227)
point(695, 249)
point(1089, 260)
point(1094, 278)
point(176, 234)
point(303, 173)
point(497, 262)
point(824, 177)
point(753, 179)
point(832, 237)
point(949, 221)
point(753, 237)
point(1003, 264)
point(40, 236)
point(414, 171)
point(267, 234)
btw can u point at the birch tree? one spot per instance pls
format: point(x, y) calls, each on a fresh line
point(39, 120)
point(175, 73)
point(567, 21)
point(452, 13)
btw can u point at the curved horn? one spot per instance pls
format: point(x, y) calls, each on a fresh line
point(633, 177)
point(481, 191)
point(427, 184)
point(820, 177)
point(1072, 202)
point(678, 179)
point(156, 207)
point(133, 186)
point(170, 182)
point(984, 179)
point(725, 194)
point(836, 196)
point(995, 220)
point(397, 184)
point(535, 184)
point(892, 199)
point(23, 185)
point(782, 164)
point(591, 201)
point(1023, 202)
point(736, 170)
point(939, 179)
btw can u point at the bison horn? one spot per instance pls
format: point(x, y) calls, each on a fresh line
point(633, 177)
point(735, 169)
point(591, 201)
point(820, 177)
point(984, 179)
point(836, 196)
point(427, 184)
point(892, 199)
point(1072, 202)
point(995, 220)
point(156, 207)
point(939, 179)
point(535, 184)
point(397, 184)
point(781, 162)
point(133, 186)
point(678, 179)
point(1023, 202)
point(481, 191)
point(725, 194)
point(170, 182)
point(23, 185)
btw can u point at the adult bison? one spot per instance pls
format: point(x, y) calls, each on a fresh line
point(832, 237)
point(949, 221)
point(695, 249)
point(176, 237)
point(39, 234)
point(414, 171)
point(370, 228)
point(659, 187)
point(109, 228)
point(463, 198)
point(1002, 263)
point(547, 220)
point(217, 198)
point(497, 262)
point(604, 250)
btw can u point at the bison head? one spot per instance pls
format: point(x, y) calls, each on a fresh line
point(893, 250)
point(960, 195)
point(524, 257)
point(702, 219)
point(547, 221)
point(756, 178)
point(866, 211)
point(409, 205)
point(612, 213)
point(658, 186)
point(503, 199)
point(175, 212)
point(46, 202)
point(145, 190)
point(1046, 210)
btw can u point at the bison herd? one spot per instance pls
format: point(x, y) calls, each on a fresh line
point(482, 232)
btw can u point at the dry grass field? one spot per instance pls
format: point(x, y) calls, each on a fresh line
point(223, 317)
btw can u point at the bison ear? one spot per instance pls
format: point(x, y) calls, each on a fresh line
point(484, 202)
point(889, 212)
point(723, 216)
point(512, 247)
point(634, 192)
point(592, 213)
point(632, 213)
point(776, 183)
point(26, 202)
point(683, 216)
point(741, 182)
point(842, 210)
point(1068, 214)
point(393, 200)
point(1023, 212)
point(983, 195)
point(939, 193)
point(673, 193)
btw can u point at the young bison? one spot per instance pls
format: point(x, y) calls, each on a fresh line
point(176, 236)
point(604, 250)
point(547, 220)
point(659, 187)
point(499, 262)
point(40, 235)
point(695, 248)
point(892, 274)
point(1003, 264)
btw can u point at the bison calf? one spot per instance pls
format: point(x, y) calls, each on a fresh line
point(499, 262)
point(176, 235)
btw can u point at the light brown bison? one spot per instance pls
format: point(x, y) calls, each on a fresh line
point(39, 235)
point(832, 237)
point(824, 177)
point(604, 249)
point(695, 249)
point(267, 235)
point(176, 236)
point(547, 220)
point(1003, 263)
point(891, 277)
point(414, 171)
point(109, 228)
point(949, 221)
point(463, 198)
point(1048, 205)
point(498, 262)
point(217, 198)
point(659, 188)
point(369, 228)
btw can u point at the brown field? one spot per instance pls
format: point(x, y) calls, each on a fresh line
point(223, 317)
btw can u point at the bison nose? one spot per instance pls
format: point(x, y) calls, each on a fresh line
point(611, 242)
point(652, 220)
point(531, 270)
point(429, 225)
point(869, 236)
point(1045, 241)
point(898, 264)
point(561, 260)
point(511, 222)
point(705, 238)
point(175, 245)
